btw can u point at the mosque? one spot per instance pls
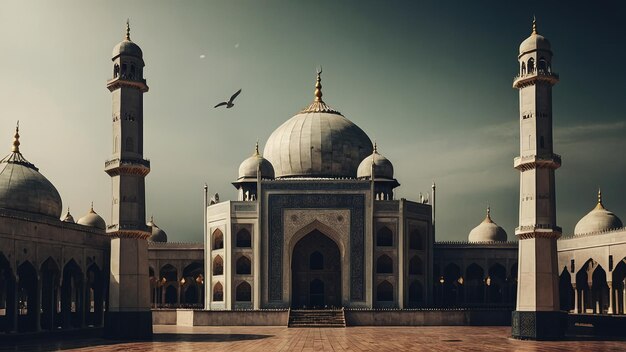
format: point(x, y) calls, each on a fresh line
point(316, 225)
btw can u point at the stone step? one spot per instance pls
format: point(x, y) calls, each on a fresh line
point(317, 318)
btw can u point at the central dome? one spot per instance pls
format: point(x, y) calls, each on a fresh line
point(317, 142)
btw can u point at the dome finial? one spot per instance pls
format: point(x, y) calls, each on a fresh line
point(318, 85)
point(488, 217)
point(599, 205)
point(152, 218)
point(534, 25)
point(256, 149)
point(16, 138)
point(375, 147)
point(91, 209)
point(127, 29)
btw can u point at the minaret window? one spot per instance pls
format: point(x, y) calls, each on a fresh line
point(218, 292)
point(542, 66)
point(531, 65)
point(523, 68)
point(123, 70)
point(116, 70)
point(218, 239)
point(218, 266)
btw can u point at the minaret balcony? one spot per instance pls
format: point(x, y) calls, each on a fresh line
point(122, 81)
point(529, 162)
point(530, 78)
point(538, 230)
point(127, 166)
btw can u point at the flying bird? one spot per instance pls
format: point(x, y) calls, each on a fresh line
point(229, 104)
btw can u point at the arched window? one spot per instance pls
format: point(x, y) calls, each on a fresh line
point(415, 266)
point(130, 145)
point(384, 292)
point(316, 261)
point(384, 237)
point(116, 70)
point(384, 265)
point(218, 266)
point(123, 70)
point(244, 239)
point(542, 65)
point(218, 239)
point(523, 68)
point(531, 65)
point(243, 292)
point(415, 240)
point(218, 292)
point(243, 266)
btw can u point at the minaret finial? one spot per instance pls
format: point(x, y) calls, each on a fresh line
point(375, 147)
point(318, 85)
point(152, 218)
point(534, 25)
point(128, 29)
point(91, 210)
point(16, 139)
point(256, 148)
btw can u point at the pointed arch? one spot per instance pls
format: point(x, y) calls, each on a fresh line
point(218, 239)
point(72, 298)
point(28, 306)
point(566, 292)
point(384, 265)
point(50, 282)
point(218, 292)
point(384, 292)
point(7, 295)
point(243, 266)
point(243, 292)
point(244, 239)
point(218, 265)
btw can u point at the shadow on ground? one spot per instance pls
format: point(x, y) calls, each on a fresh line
point(51, 344)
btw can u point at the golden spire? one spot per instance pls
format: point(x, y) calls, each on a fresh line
point(127, 29)
point(599, 206)
point(488, 217)
point(318, 86)
point(534, 25)
point(16, 139)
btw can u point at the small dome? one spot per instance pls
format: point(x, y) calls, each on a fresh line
point(249, 167)
point(23, 188)
point(382, 166)
point(68, 217)
point(534, 42)
point(127, 47)
point(487, 231)
point(317, 142)
point(598, 220)
point(92, 219)
point(158, 235)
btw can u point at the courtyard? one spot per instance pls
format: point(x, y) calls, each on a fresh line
point(248, 338)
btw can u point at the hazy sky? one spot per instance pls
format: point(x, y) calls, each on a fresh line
point(430, 81)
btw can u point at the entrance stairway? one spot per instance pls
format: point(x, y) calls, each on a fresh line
point(327, 318)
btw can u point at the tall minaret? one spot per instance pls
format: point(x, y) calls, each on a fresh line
point(129, 314)
point(537, 314)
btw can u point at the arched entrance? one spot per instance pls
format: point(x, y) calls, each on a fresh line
point(316, 272)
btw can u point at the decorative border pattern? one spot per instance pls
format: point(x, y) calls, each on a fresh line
point(277, 203)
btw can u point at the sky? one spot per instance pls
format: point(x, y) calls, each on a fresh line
point(430, 81)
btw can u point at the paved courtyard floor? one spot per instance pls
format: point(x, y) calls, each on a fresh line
point(247, 338)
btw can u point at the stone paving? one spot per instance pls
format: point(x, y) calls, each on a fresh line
point(246, 338)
